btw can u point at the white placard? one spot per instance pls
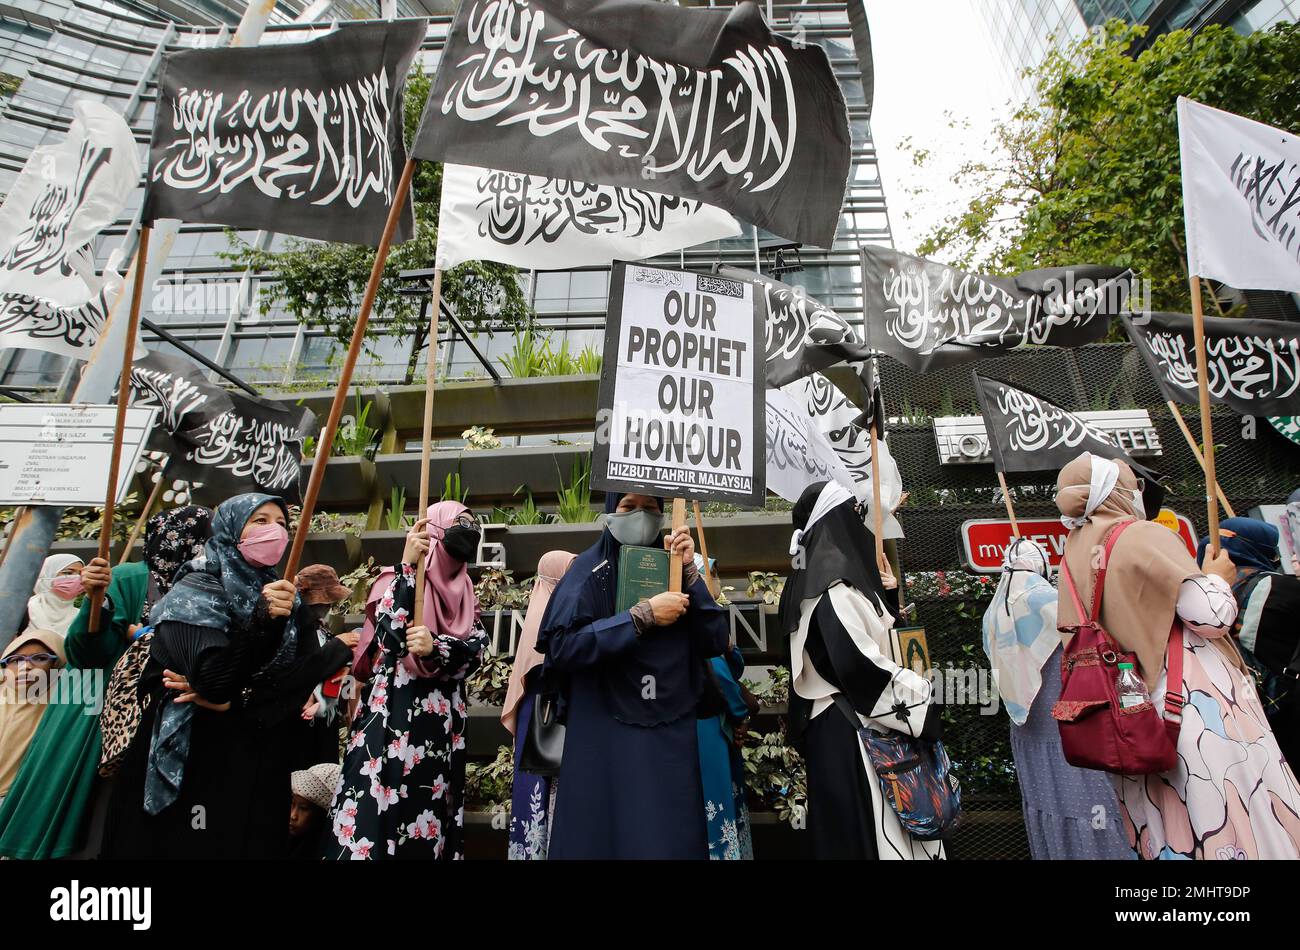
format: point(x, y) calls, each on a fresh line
point(59, 455)
point(681, 413)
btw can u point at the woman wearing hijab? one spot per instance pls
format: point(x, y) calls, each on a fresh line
point(53, 603)
point(29, 661)
point(1231, 794)
point(722, 770)
point(838, 616)
point(57, 806)
point(1266, 629)
point(1061, 803)
point(532, 797)
point(402, 790)
point(275, 737)
point(181, 791)
point(631, 683)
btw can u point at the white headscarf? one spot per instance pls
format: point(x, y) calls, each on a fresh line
point(832, 495)
point(1105, 474)
point(1020, 627)
point(46, 610)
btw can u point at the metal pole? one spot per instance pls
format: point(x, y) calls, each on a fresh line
point(197, 356)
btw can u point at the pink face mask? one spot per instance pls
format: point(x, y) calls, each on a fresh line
point(264, 544)
point(68, 586)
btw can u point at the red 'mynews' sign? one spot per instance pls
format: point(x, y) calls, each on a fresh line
point(985, 540)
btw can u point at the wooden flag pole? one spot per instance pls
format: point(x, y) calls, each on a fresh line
point(882, 563)
point(675, 561)
point(325, 442)
point(711, 582)
point(430, 377)
point(123, 400)
point(1006, 498)
point(144, 516)
point(1207, 428)
point(1196, 451)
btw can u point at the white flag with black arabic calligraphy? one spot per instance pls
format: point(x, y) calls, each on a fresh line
point(65, 195)
point(1241, 198)
point(553, 224)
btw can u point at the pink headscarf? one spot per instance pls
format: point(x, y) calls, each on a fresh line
point(550, 569)
point(450, 604)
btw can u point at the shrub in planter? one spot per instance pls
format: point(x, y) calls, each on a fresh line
point(489, 682)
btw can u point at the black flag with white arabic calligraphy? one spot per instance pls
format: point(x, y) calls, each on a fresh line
point(256, 445)
point(804, 336)
point(1253, 366)
point(697, 102)
point(300, 138)
point(1028, 433)
point(929, 315)
point(183, 395)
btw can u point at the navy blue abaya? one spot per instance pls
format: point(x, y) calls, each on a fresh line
point(630, 777)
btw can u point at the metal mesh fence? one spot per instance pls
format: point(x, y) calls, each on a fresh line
point(1256, 465)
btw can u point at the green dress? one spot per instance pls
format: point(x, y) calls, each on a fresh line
point(48, 807)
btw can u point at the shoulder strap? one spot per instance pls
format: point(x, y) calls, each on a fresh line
point(1099, 583)
point(843, 705)
point(1074, 594)
point(1174, 698)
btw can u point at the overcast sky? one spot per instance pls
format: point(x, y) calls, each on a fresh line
point(932, 57)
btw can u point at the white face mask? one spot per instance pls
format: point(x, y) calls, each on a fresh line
point(639, 528)
point(1139, 503)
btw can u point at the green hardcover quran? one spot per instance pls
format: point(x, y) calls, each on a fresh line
point(642, 573)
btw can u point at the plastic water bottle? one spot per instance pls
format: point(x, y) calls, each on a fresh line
point(1132, 691)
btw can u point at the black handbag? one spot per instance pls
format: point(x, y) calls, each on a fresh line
point(544, 742)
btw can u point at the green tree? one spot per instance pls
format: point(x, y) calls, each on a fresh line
point(322, 284)
point(1089, 173)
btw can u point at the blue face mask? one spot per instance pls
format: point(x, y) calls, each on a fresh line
point(640, 528)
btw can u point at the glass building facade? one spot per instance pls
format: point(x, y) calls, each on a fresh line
point(62, 50)
point(1022, 31)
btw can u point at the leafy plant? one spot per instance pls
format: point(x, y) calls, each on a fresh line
point(496, 590)
point(574, 505)
point(488, 684)
point(84, 523)
point(360, 580)
point(590, 361)
point(530, 355)
point(353, 436)
point(528, 513)
point(774, 690)
point(452, 490)
point(766, 586)
point(395, 517)
point(488, 784)
point(480, 437)
point(775, 772)
point(559, 362)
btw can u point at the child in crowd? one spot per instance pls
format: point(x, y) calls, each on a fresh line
point(312, 791)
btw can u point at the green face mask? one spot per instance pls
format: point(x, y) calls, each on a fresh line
point(640, 527)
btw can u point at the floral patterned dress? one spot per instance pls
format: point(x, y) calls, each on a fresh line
point(401, 790)
point(1232, 795)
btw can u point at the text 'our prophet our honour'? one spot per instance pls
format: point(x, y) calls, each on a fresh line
point(692, 346)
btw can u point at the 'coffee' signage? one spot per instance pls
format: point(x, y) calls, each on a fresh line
point(962, 440)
